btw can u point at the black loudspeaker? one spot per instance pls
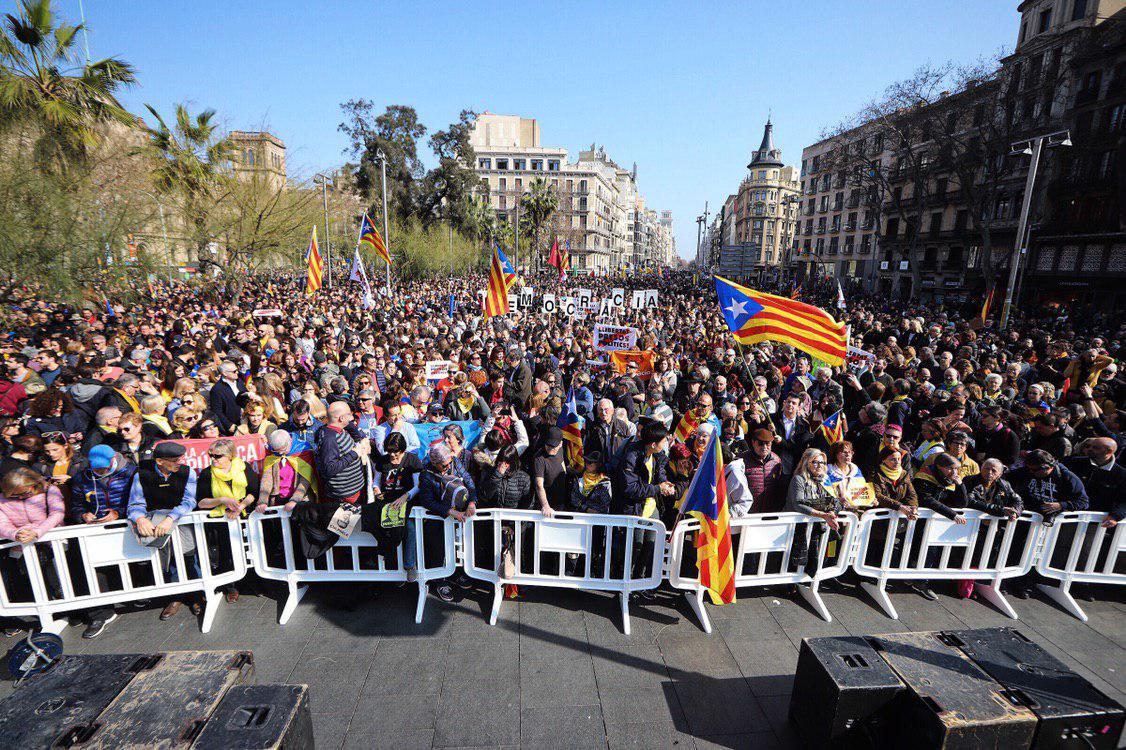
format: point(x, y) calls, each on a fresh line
point(840, 689)
point(1072, 712)
point(69, 695)
point(167, 704)
point(260, 717)
point(949, 702)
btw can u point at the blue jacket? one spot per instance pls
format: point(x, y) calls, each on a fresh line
point(99, 495)
point(310, 434)
point(431, 485)
point(1061, 486)
point(634, 483)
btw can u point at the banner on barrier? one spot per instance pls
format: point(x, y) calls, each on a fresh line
point(250, 448)
point(614, 338)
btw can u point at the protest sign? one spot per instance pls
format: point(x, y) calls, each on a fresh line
point(250, 448)
point(549, 304)
point(644, 299)
point(430, 433)
point(614, 338)
point(618, 297)
point(569, 306)
point(526, 294)
point(605, 308)
point(644, 360)
point(437, 369)
point(585, 297)
point(267, 312)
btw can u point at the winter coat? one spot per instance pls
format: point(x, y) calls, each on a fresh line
point(95, 494)
point(511, 490)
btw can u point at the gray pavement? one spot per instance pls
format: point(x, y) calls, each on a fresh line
point(556, 671)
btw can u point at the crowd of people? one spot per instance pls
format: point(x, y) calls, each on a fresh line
point(943, 412)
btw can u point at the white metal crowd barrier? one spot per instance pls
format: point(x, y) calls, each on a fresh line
point(275, 555)
point(1077, 549)
point(762, 546)
point(568, 550)
point(100, 565)
point(986, 549)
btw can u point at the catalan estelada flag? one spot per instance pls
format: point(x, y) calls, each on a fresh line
point(572, 426)
point(834, 427)
point(706, 500)
point(502, 276)
point(371, 237)
point(315, 264)
point(757, 316)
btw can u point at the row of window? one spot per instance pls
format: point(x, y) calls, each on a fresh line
point(1043, 21)
point(834, 246)
point(518, 165)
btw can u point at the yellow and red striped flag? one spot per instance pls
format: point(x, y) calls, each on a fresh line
point(988, 304)
point(315, 265)
point(686, 427)
point(571, 425)
point(502, 276)
point(371, 237)
point(754, 316)
point(706, 500)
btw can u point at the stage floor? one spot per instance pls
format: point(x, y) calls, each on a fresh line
point(556, 671)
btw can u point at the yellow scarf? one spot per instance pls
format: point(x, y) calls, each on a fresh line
point(892, 474)
point(231, 483)
point(465, 403)
point(590, 481)
point(129, 400)
point(159, 421)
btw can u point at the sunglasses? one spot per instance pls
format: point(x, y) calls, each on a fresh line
point(216, 456)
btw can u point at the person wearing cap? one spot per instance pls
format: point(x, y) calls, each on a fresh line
point(368, 413)
point(164, 491)
point(549, 474)
point(99, 494)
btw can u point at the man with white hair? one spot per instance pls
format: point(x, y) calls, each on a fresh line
point(340, 455)
point(605, 433)
point(223, 399)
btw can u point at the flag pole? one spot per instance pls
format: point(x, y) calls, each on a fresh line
point(386, 220)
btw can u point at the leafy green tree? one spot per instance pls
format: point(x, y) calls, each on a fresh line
point(188, 167)
point(446, 190)
point(538, 206)
point(395, 134)
point(46, 97)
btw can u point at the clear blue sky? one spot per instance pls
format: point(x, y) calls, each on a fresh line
point(681, 88)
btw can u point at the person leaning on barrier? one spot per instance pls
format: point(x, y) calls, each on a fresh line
point(809, 495)
point(505, 484)
point(765, 478)
point(287, 479)
point(446, 489)
point(1104, 479)
point(938, 485)
point(989, 492)
point(163, 492)
point(340, 456)
point(227, 487)
point(29, 508)
point(100, 495)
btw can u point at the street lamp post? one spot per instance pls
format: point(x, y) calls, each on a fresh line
point(1031, 147)
point(324, 181)
point(382, 158)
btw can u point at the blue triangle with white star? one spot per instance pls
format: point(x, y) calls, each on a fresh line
point(737, 307)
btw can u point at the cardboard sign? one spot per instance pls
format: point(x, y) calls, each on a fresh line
point(618, 297)
point(513, 301)
point(605, 308)
point(549, 305)
point(585, 297)
point(267, 312)
point(250, 448)
point(645, 299)
point(644, 360)
point(437, 369)
point(526, 294)
point(608, 338)
point(569, 306)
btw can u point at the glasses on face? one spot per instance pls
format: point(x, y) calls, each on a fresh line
point(216, 456)
point(817, 462)
point(207, 425)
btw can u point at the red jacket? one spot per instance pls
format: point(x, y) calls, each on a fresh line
point(11, 394)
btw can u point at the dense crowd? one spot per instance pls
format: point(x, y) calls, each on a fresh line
point(942, 412)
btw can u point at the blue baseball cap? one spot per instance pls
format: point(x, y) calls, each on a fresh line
point(101, 457)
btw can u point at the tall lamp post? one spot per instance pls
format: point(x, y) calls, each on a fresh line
point(382, 159)
point(1032, 147)
point(163, 232)
point(324, 181)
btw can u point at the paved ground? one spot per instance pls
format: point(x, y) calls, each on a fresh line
point(556, 672)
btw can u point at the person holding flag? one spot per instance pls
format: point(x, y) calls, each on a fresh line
point(555, 260)
point(371, 237)
point(358, 273)
point(572, 426)
point(706, 500)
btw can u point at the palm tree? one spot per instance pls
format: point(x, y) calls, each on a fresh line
point(538, 206)
point(42, 86)
point(189, 164)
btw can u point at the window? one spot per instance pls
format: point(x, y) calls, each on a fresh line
point(519, 164)
point(504, 201)
point(1078, 10)
point(537, 165)
point(824, 203)
point(1106, 164)
point(936, 223)
point(519, 184)
point(484, 164)
point(248, 158)
point(552, 165)
point(1045, 21)
point(502, 163)
point(582, 186)
point(979, 115)
point(961, 220)
point(503, 184)
point(1114, 118)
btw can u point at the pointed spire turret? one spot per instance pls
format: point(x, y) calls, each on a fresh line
point(766, 155)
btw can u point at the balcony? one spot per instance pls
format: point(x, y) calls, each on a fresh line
point(838, 205)
point(854, 203)
point(850, 227)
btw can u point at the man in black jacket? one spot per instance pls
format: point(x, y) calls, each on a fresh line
point(605, 434)
point(222, 401)
point(1105, 482)
point(792, 431)
point(641, 486)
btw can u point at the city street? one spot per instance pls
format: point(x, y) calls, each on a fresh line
point(556, 671)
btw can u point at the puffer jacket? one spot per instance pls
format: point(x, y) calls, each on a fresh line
point(511, 490)
point(994, 500)
point(99, 495)
point(597, 500)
